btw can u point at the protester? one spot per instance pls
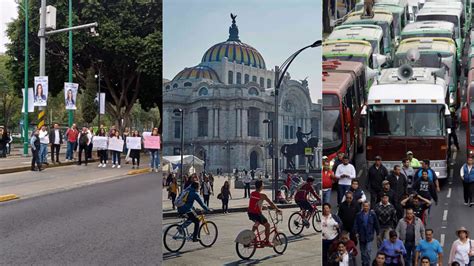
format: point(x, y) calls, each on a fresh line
point(425, 165)
point(377, 174)
point(387, 218)
point(154, 154)
point(341, 257)
point(90, 134)
point(467, 176)
point(350, 245)
point(56, 140)
point(387, 190)
point(413, 161)
point(35, 147)
point(4, 141)
point(379, 259)
point(399, 184)
point(425, 188)
point(330, 224)
point(206, 190)
point(339, 159)
point(345, 172)
point(347, 212)
point(429, 248)
point(328, 180)
point(418, 204)
point(102, 152)
point(247, 179)
point(44, 142)
point(135, 154)
point(71, 135)
point(84, 140)
point(225, 196)
point(393, 249)
point(357, 192)
point(173, 191)
point(408, 171)
point(411, 231)
point(366, 226)
point(462, 248)
point(116, 154)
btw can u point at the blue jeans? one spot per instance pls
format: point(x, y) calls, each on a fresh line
point(327, 196)
point(341, 190)
point(43, 157)
point(116, 157)
point(410, 247)
point(70, 147)
point(365, 251)
point(155, 159)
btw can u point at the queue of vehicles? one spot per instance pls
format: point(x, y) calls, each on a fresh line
point(392, 81)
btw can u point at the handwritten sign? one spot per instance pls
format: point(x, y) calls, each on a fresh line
point(134, 143)
point(99, 142)
point(152, 142)
point(116, 144)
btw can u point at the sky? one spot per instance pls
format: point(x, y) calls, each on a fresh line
point(276, 28)
point(8, 12)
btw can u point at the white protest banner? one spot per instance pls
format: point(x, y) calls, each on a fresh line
point(134, 143)
point(70, 95)
point(99, 142)
point(152, 142)
point(41, 91)
point(146, 134)
point(116, 144)
point(31, 105)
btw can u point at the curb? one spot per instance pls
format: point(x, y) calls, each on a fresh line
point(174, 214)
point(28, 168)
point(8, 197)
point(139, 171)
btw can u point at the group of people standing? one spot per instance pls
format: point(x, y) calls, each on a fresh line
point(5, 142)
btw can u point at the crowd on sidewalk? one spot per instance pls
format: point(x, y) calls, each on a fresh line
point(5, 142)
point(79, 147)
point(391, 211)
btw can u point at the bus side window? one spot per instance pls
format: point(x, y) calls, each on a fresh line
point(392, 31)
point(371, 61)
point(382, 51)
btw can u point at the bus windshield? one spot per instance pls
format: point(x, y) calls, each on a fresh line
point(426, 60)
point(332, 130)
point(449, 18)
point(420, 120)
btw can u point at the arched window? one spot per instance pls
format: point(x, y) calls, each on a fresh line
point(253, 122)
point(188, 84)
point(253, 160)
point(168, 87)
point(253, 91)
point(175, 85)
point(254, 79)
point(202, 122)
point(269, 83)
point(203, 91)
point(230, 77)
point(239, 78)
point(246, 78)
point(262, 82)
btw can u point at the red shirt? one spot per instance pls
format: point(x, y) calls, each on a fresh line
point(327, 180)
point(304, 191)
point(253, 203)
point(72, 135)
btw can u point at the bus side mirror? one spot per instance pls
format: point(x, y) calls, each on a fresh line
point(464, 115)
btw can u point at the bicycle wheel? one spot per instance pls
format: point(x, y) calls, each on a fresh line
point(317, 221)
point(295, 223)
point(245, 252)
point(208, 234)
point(280, 243)
point(174, 238)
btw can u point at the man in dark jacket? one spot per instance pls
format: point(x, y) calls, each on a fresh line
point(347, 212)
point(377, 174)
point(426, 188)
point(425, 165)
point(365, 227)
point(399, 184)
point(35, 146)
point(387, 190)
point(387, 217)
point(55, 140)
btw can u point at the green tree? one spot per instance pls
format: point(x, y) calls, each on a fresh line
point(10, 103)
point(89, 107)
point(129, 45)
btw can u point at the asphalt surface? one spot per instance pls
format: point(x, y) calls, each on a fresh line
point(111, 223)
point(302, 250)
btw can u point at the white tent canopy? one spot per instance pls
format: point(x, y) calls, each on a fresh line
point(188, 161)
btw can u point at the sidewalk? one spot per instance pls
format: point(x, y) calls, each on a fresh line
point(237, 204)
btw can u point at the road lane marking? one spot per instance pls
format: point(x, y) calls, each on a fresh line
point(442, 240)
point(359, 174)
point(445, 215)
point(449, 193)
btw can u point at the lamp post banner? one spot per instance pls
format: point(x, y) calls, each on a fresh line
point(70, 95)
point(31, 106)
point(101, 102)
point(41, 91)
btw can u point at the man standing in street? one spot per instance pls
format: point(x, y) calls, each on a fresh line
point(467, 176)
point(399, 184)
point(377, 174)
point(430, 248)
point(408, 171)
point(71, 135)
point(339, 160)
point(55, 140)
point(425, 165)
point(44, 142)
point(345, 172)
point(426, 188)
point(347, 212)
point(247, 180)
point(387, 218)
point(411, 231)
point(413, 161)
point(83, 143)
point(365, 227)
point(35, 147)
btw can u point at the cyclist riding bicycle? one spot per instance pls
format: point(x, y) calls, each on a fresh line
point(255, 210)
point(301, 199)
point(185, 206)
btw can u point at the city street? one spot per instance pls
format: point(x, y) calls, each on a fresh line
point(302, 249)
point(114, 223)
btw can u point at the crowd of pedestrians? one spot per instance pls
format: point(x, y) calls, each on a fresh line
point(389, 213)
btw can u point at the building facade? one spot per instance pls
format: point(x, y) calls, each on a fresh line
point(225, 99)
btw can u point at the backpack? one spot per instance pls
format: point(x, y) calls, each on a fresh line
point(182, 198)
point(83, 139)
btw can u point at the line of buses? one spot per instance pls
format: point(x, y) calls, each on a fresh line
point(392, 81)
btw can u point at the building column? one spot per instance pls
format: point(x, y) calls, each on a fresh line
point(239, 123)
point(210, 120)
point(216, 122)
point(244, 122)
point(262, 132)
point(194, 124)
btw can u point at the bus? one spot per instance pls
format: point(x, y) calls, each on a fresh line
point(429, 29)
point(343, 101)
point(465, 5)
point(370, 33)
point(467, 112)
point(381, 18)
point(434, 53)
point(353, 50)
point(407, 111)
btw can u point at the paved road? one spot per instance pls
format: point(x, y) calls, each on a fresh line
point(113, 223)
point(301, 250)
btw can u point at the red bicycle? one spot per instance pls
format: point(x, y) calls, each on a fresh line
point(296, 223)
point(248, 241)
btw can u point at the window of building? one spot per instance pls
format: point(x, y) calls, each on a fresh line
point(262, 82)
point(203, 91)
point(269, 83)
point(246, 78)
point(175, 85)
point(253, 91)
point(177, 129)
point(168, 87)
point(188, 84)
point(254, 79)
point(230, 77)
point(253, 122)
point(203, 121)
point(239, 78)
point(287, 132)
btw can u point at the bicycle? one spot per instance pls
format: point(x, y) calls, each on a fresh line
point(296, 223)
point(176, 235)
point(248, 241)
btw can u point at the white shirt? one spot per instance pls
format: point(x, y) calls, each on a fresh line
point(461, 254)
point(345, 260)
point(329, 227)
point(44, 137)
point(347, 170)
point(247, 179)
point(57, 138)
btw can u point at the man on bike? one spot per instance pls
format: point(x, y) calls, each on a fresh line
point(255, 210)
point(301, 198)
point(187, 209)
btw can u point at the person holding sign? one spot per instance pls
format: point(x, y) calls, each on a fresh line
point(135, 153)
point(115, 152)
point(102, 152)
point(154, 154)
point(84, 140)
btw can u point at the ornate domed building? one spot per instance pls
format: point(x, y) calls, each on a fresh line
point(225, 99)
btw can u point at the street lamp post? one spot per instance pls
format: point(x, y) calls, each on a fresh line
point(179, 111)
point(279, 76)
point(25, 115)
point(270, 122)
